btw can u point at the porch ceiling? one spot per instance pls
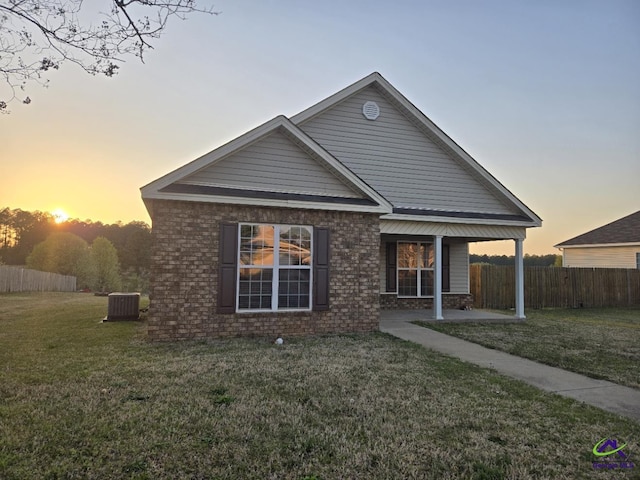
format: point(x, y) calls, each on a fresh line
point(448, 240)
point(470, 232)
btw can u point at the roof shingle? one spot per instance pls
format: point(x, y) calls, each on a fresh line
point(624, 230)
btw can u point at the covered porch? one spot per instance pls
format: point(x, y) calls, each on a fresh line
point(430, 282)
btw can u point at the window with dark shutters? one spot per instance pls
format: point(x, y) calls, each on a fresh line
point(227, 268)
point(274, 267)
point(321, 269)
point(411, 266)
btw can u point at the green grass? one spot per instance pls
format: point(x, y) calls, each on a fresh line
point(602, 343)
point(84, 399)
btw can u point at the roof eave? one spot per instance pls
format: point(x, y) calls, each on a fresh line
point(263, 202)
point(459, 220)
point(598, 245)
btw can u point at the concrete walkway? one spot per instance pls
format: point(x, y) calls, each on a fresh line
point(599, 393)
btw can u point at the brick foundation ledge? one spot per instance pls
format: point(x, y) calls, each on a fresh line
point(450, 301)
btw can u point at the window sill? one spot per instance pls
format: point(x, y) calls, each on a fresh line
point(416, 296)
point(287, 310)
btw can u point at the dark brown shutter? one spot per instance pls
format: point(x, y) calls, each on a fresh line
point(320, 268)
point(446, 277)
point(391, 266)
point(228, 268)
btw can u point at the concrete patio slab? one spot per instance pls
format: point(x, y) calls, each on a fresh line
point(609, 396)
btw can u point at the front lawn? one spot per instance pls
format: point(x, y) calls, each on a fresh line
point(599, 342)
point(84, 399)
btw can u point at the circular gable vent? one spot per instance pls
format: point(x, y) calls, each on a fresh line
point(371, 110)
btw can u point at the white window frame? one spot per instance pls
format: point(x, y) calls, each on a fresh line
point(275, 284)
point(418, 269)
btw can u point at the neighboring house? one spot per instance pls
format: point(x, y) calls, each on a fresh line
point(312, 224)
point(615, 245)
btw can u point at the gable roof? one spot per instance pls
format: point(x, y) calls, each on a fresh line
point(623, 231)
point(401, 186)
point(510, 209)
point(275, 163)
point(183, 184)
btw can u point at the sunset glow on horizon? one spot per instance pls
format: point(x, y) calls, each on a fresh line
point(59, 215)
point(544, 95)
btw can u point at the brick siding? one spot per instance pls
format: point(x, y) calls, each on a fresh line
point(390, 301)
point(184, 273)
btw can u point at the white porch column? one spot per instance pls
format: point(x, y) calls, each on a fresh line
point(437, 279)
point(519, 279)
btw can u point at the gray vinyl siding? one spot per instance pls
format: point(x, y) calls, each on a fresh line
point(601, 257)
point(274, 163)
point(397, 158)
point(459, 268)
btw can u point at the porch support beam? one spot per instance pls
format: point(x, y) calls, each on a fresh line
point(519, 279)
point(437, 279)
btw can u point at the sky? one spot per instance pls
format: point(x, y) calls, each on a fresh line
point(545, 95)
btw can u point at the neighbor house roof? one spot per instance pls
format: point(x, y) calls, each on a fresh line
point(623, 231)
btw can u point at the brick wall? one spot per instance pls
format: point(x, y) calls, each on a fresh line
point(454, 301)
point(184, 273)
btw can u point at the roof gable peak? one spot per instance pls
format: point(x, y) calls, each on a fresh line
point(168, 185)
point(425, 125)
point(374, 78)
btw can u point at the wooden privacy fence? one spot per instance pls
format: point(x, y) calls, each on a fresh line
point(494, 287)
point(18, 279)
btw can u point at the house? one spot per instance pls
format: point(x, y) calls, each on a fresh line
point(312, 224)
point(615, 245)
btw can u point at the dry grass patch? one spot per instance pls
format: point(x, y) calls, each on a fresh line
point(600, 343)
point(101, 403)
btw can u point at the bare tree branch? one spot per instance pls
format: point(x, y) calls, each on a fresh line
point(37, 36)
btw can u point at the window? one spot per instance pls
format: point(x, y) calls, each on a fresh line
point(274, 267)
point(415, 269)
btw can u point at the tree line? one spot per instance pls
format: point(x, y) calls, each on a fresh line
point(102, 256)
point(550, 260)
